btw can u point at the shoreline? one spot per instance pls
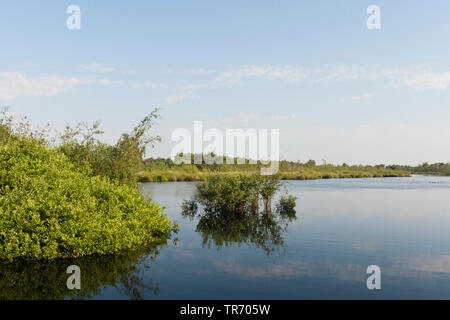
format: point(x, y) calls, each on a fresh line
point(161, 178)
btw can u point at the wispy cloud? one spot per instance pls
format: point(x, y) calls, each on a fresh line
point(147, 84)
point(178, 97)
point(129, 72)
point(427, 81)
point(97, 67)
point(289, 73)
point(104, 82)
point(15, 84)
point(363, 97)
point(245, 117)
point(281, 117)
point(344, 73)
point(194, 86)
point(203, 72)
point(267, 72)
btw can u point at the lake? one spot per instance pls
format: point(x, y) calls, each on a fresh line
point(342, 226)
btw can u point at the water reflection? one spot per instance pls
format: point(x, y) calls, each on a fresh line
point(46, 280)
point(263, 230)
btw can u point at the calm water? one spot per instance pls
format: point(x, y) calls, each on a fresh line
point(342, 227)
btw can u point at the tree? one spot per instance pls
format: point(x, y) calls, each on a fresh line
point(311, 163)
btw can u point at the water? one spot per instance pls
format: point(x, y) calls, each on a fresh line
point(342, 226)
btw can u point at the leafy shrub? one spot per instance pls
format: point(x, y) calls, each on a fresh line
point(230, 211)
point(159, 178)
point(50, 208)
point(172, 178)
point(226, 193)
point(286, 205)
point(144, 177)
point(268, 186)
point(120, 161)
point(236, 193)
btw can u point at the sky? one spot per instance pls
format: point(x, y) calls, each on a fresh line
point(335, 89)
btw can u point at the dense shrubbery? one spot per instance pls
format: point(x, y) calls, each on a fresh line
point(55, 203)
point(119, 162)
point(228, 208)
point(48, 209)
point(440, 169)
point(234, 194)
point(286, 206)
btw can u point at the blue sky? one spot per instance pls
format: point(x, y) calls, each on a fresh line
point(335, 89)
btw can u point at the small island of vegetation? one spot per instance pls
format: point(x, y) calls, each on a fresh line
point(229, 212)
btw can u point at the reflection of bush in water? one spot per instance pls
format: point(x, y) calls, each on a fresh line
point(229, 211)
point(263, 230)
point(46, 280)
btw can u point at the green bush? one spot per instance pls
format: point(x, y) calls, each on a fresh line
point(236, 194)
point(286, 205)
point(144, 177)
point(228, 193)
point(49, 208)
point(172, 178)
point(159, 178)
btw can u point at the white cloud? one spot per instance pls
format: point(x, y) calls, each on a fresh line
point(147, 84)
point(281, 117)
point(387, 73)
point(268, 72)
point(363, 97)
point(345, 73)
point(427, 81)
point(178, 97)
point(129, 72)
point(15, 84)
point(197, 86)
point(394, 77)
point(97, 67)
point(104, 82)
point(203, 72)
point(245, 117)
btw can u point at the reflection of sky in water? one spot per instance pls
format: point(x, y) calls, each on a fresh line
point(342, 227)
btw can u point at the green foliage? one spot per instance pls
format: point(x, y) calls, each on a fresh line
point(268, 186)
point(232, 194)
point(286, 206)
point(288, 170)
point(230, 211)
point(119, 162)
point(50, 208)
point(440, 169)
